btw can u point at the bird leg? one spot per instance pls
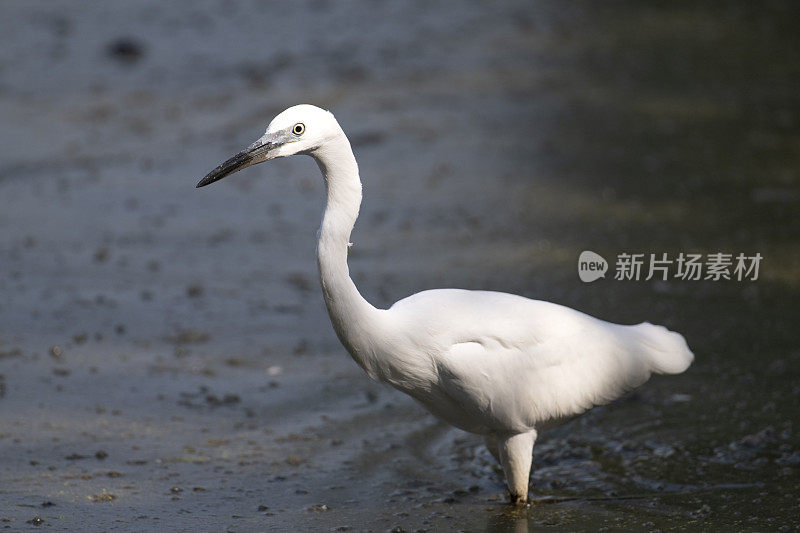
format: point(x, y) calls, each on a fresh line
point(516, 454)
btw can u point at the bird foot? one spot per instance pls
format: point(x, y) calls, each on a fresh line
point(518, 500)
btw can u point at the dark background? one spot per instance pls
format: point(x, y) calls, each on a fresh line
point(165, 357)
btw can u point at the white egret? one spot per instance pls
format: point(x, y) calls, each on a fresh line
point(490, 363)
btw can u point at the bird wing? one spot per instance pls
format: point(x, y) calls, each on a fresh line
point(512, 362)
point(519, 387)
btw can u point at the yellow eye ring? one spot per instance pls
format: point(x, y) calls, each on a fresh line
point(298, 129)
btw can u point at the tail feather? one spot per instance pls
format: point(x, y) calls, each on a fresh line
point(667, 350)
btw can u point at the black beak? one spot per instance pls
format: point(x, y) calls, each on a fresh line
point(243, 159)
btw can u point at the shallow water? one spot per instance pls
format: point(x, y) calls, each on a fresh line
point(165, 357)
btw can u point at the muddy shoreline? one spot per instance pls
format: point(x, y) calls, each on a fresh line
point(166, 361)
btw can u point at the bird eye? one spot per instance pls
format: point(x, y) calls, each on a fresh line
point(298, 129)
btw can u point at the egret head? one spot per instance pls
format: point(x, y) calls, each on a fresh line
point(301, 129)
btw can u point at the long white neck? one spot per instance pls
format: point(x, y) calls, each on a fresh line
point(356, 321)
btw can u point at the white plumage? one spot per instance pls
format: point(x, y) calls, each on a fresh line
point(495, 364)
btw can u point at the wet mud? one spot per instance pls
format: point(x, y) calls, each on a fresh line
point(166, 362)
